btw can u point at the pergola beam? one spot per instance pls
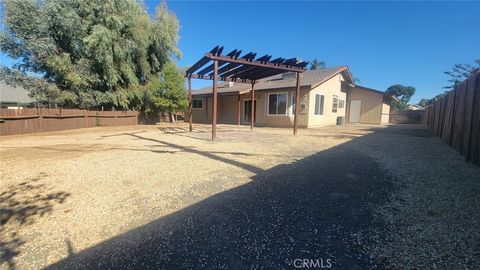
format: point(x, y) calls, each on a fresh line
point(225, 79)
point(292, 68)
point(297, 103)
point(240, 69)
point(190, 104)
point(214, 111)
point(252, 121)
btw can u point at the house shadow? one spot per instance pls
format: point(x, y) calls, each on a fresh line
point(317, 208)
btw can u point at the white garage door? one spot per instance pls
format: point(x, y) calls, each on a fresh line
point(355, 107)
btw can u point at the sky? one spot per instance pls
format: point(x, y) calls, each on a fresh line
point(383, 43)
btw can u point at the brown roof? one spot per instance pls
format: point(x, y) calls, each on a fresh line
point(377, 91)
point(311, 78)
point(12, 94)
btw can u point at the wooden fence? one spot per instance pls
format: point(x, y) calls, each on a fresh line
point(456, 118)
point(31, 120)
point(410, 117)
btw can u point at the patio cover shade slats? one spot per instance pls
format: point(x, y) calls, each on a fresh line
point(245, 69)
point(234, 67)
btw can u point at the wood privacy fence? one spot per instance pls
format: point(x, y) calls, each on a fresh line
point(410, 117)
point(31, 120)
point(456, 118)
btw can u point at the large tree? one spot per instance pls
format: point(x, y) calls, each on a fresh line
point(403, 93)
point(317, 64)
point(87, 53)
point(460, 72)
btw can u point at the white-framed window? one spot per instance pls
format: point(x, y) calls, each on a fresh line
point(319, 104)
point(335, 104)
point(277, 104)
point(341, 104)
point(197, 103)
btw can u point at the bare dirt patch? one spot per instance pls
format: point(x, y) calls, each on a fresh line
point(101, 196)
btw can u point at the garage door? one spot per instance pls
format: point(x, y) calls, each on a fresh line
point(355, 107)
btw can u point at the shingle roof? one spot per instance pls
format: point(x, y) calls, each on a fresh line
point(14, 94)
point(310, 78)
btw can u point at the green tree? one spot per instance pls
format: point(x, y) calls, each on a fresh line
point(403, 93)
point(87, 53)
point(424, 102)
point(317, 64)
point(168, 93)
point(460, 72)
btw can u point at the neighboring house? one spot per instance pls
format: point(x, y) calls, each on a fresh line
point(14, 96)
point(325, 95)
point(415, 107)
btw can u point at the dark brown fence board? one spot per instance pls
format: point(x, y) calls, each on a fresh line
point(456, 118)
point(457, 136)
point(31, 120)
point(473, 147)
point(447, 122)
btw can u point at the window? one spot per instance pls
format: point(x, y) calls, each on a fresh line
point(335, 104)
point(319, 102)
point(277, 104)
point(197, 103)
point(341, 104)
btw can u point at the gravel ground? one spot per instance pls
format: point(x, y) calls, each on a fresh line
point(355, 197)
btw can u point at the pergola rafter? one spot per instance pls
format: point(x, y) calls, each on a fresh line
point(245, 69)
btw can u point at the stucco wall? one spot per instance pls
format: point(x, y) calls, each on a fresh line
point(265, 119)
point(203, 115)
point(372, 105)
point(328, 89)
point(227, 109)
point(385, 112)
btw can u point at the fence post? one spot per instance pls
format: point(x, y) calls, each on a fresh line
point(40, 119)
point(85, 122)
point(114, 116)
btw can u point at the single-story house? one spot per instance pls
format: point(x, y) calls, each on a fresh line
point(14, 97)
point(326, 94)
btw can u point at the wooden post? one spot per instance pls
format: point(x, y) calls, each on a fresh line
point(40, 117)
point(252, 121)
point(297, 102)
point(114, 116)
point(190, 104)
point(214, 111)
point(85, 118)
point(239, 109)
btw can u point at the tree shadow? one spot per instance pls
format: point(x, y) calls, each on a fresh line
point(20, 205)
point(319, 207)
point(193, 150)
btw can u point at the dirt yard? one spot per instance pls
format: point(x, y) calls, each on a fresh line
point(155, 197)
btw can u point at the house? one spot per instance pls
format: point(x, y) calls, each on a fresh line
point(415, 107)
point(326, 94)
point(14, 97)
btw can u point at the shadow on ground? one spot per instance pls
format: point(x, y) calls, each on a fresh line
point(21, 204)
point(314, 208)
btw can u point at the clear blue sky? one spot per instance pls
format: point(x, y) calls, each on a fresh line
point(383, 43)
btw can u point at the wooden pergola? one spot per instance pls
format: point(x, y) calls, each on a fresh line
point(244, 69)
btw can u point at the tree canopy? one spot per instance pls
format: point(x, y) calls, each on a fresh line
point(403, 93)
point(88, 53)
point(317, 64)
point(460, 72)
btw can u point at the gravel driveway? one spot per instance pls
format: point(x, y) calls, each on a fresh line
point(158, 197)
